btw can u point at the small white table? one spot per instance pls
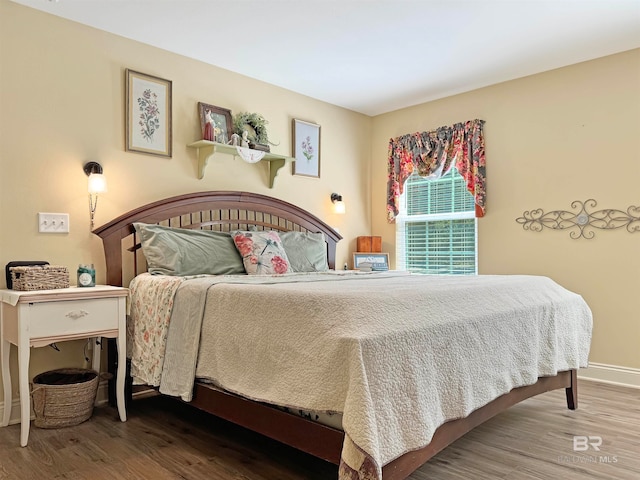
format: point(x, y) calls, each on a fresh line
point(41, 317)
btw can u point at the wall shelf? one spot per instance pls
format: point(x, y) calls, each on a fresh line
point(206, 149)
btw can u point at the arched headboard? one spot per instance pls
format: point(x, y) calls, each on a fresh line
point(221, 211)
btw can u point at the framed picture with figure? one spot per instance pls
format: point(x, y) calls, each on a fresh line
point(215, 123)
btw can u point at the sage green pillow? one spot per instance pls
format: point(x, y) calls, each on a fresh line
point(182, 251)
point(306, 251)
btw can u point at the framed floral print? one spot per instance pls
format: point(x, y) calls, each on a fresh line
point(306, 148)
point(148, 114)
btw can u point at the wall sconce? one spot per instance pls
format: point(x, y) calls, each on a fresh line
point(338, 204)
point(97, 184)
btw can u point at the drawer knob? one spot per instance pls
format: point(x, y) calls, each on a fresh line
point(77, 314)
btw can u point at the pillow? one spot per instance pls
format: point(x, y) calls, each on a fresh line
point(262, 252)
point(181, 251)
point(307, 252)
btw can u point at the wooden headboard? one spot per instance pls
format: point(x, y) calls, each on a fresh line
point(220, 211)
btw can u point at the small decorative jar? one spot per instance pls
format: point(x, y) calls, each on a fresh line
point(86, 275)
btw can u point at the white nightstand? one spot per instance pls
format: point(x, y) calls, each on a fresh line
point(41, 317)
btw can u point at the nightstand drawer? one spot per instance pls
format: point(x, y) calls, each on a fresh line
point(49, 319)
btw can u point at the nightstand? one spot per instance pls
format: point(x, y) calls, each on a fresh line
point(40, 317)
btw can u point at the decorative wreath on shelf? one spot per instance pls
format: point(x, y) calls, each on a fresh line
point(257, 123)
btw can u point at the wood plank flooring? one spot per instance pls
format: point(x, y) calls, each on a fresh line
point(166, 440)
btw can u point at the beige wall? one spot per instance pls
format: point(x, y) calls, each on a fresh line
point(62, 104)
point(565, 135)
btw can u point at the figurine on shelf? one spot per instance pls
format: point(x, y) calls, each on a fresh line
point(235, 138)
point(209, 127)
point(245, 139)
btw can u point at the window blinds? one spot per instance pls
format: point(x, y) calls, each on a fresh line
point(436, 227)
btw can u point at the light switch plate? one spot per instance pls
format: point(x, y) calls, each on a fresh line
point(53, 222)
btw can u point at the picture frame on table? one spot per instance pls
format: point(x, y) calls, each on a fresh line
point(148, 122)
point(221, 125)
point(367, 261)
point(306, 148)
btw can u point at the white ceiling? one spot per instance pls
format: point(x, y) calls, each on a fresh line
point(371, 56)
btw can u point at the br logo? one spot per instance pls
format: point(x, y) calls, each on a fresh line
point(582, 443)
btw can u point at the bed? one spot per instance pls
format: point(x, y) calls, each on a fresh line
point(229, 211)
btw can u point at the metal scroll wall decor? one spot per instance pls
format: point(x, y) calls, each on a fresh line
point(582, 221)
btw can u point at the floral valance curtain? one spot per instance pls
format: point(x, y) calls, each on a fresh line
point(432, 154)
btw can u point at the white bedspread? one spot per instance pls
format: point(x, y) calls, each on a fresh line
point(398, 356)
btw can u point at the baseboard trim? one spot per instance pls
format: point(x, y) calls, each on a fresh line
point(102, 395)
point(15, 411)
point(613, 374)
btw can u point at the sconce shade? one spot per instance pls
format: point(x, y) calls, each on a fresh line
point(338, 204)
point(97, 183)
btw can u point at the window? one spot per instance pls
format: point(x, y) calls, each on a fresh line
point(436, 228)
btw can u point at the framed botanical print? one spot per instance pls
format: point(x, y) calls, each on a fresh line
point(306, 148)
point(148, 114)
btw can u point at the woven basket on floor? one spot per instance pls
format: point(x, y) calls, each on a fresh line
point(64, 397)
point(39, 277)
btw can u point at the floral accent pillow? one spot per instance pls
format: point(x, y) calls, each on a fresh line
point(262, 252)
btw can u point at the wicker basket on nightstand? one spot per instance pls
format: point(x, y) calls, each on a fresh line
point(39, 277)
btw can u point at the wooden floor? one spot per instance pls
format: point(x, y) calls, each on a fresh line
point(165, 440)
